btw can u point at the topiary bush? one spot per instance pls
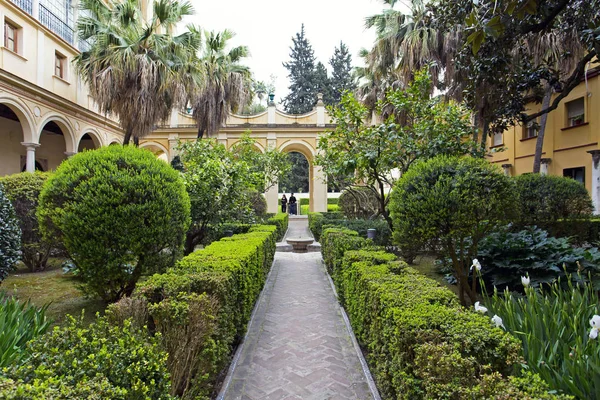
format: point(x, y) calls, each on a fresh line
point(116, 362)
point(359, 202)
point(120, 212)
point(280, 220)
point(10, 236)
point(550, 198)
point(444, 203)
point(23, 191)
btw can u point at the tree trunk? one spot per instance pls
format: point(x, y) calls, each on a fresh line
point(539, 143)
point(136, 141)
point(127, 137)
point(200, 132)
point(484, 131)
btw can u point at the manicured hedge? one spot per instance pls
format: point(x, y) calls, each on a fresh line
point(333, 200)
point(281, 221)
point(232, 273)
point(304, 201)
point(317, 222)
point(215, 233)
point(420, 343)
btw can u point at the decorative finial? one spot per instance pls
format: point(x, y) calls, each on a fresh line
point(320, 99)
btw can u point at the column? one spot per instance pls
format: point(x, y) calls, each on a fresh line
point(544, 166)
point(30, 163)
point(271, 113)
point(70, 154)
point(173, 150)
point(595, 192)
point(320, 110)
point(506, 168)
point(272, 195)
point(35, 10)
point(319, 200)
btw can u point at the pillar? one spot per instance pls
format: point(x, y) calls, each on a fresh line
point(506, 168)
point(320, 110)
point(70, 154)
point(318, 203)
point(30, 163)
point(35, 9)
point(544, 166)
point(595, 180)
point(173, 150)
point(272, 197)
point(271, 113)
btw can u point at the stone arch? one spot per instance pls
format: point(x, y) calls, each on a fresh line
point(308, 152)
point(94, 134)
point(160, 151)
point(25, 118)
point(65, 126)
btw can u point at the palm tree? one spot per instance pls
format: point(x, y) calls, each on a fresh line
point(137, 69)
point(227, 84)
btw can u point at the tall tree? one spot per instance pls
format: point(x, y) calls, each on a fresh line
point(227, 84)
point(341, 75)
point(136, 69)
point(301, 67)
point(323, 83)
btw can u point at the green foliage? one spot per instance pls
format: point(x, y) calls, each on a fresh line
point(550, 198)
point(317, 219)
point(420, 342)
point(304, 210)
point(359, 202)
point(423, 127)
point(120, 213)
point(506, 256)
point(19, 322)
point(10, 236)
point(23, 191)
point(333, 208)
point(318, 222)
point(215, 233)
point(552, 324)
point(296, 179)
point(119, 361)
point(580, 231)
point(449, 204)
point(258, 203)
point(304, 201)
point(341, 73)
point(280, 220)
point(333, 200)
point(302, 90)
point(231, 273)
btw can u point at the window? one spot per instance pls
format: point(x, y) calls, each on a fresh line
point(577, 173)
point(60, 63)
point(575, 112)
point(531, 130)
point(11, 40)
point(497, 139)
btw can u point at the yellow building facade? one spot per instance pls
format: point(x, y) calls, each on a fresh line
point(46, 114)
point(570, 142)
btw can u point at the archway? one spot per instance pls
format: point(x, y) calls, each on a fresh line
point(157, 149)
point(15, 129)
point(56, 143)
point(89, 141)
point(297, 180)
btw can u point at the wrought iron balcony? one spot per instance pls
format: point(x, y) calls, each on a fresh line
point(55, 24)
point(25, 5)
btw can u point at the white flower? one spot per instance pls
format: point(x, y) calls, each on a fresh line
point(479, 308)
point(595, 322)
point(476, 265)
point(498, 321)
point(525, 280)
point(594, 333)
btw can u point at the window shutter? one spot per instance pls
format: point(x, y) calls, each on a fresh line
point(576, 108)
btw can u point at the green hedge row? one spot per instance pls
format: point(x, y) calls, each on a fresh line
point(231, 272)
point(304, 201)
point(317, 222)
point(333, 200)
point(215, 233)
point(420, 343)
point(281, 221)
point(581, 231)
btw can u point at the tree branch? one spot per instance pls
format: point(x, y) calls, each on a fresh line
point(540, 26)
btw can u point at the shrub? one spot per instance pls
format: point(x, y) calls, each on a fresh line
point(359, 202)
point(115, 361)
point(420, 343)
point(552, 323)
point(506, 256)
point(280, 220)
point(333, 200)
point(304, 210)
point(317, 219)
point(23, 191)
point(214, 233)
point(19, 322)
point(383, 233)
point(10, 236)
point(304, 201)
point(549, 198)
point(120, 212)
point(258, 203)
point(445, 201)
point(580, 231)
point(333, 208)
point(204, 303)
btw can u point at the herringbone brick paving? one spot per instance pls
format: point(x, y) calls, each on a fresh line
point(298, 346)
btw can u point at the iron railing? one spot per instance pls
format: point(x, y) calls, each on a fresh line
point(25, 5)
point(55, 24)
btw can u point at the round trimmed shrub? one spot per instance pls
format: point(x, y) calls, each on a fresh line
point(449, 204)
point(549, 198)
point(120, 213)
point(10, 236)
point(23, 191)
point(359, 202)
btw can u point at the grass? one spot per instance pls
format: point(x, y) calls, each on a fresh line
point(54, 287)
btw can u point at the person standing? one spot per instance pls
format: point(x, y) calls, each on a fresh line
point(292, 202)
point(283, 203)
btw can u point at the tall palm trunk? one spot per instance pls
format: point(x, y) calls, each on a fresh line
point(539, 143)
point(127, 137)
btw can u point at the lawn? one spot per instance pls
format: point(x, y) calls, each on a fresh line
point(54, 287)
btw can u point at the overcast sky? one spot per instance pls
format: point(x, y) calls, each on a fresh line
point(267, 28)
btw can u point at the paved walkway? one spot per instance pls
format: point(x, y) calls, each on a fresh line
point(298, 345)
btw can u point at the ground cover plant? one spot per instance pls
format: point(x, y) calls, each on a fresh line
point(120, 212)
point(10, 236)
point(558, 329)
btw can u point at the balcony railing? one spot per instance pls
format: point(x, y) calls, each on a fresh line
point(55, 24)
point(84, 45)
point(25, 5)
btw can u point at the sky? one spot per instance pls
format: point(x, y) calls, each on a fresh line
point(267, 28)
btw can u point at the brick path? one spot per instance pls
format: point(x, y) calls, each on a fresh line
point(297, 346)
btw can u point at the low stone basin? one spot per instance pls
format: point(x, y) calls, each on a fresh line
point(300, 245)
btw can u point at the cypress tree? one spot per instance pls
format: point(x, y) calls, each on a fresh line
point(301, 67)
point(323, 83)
point(341, 76)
